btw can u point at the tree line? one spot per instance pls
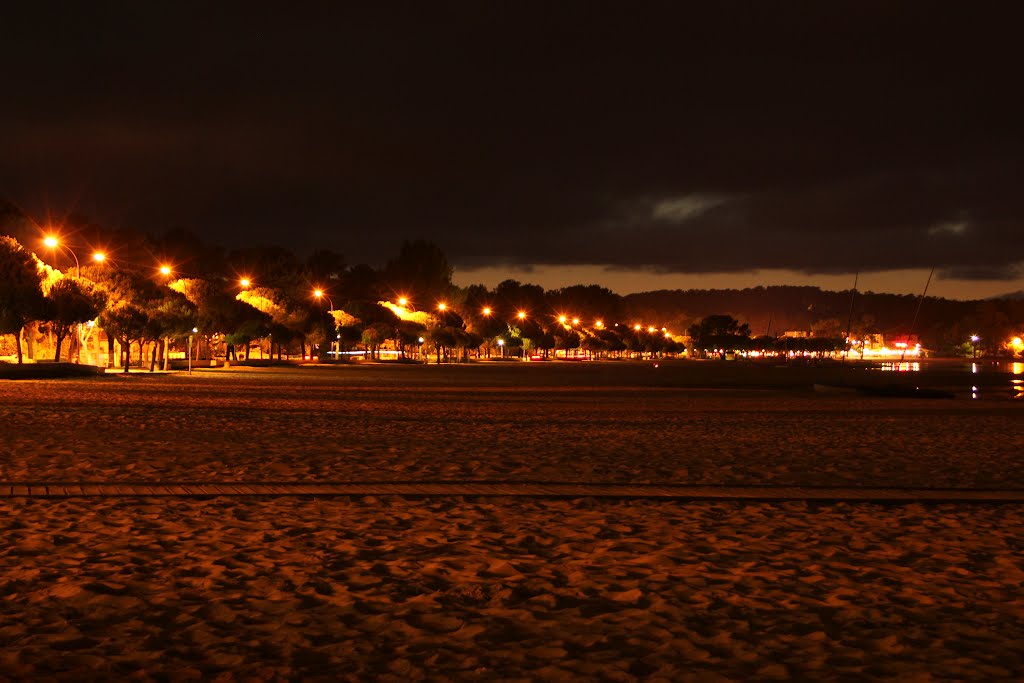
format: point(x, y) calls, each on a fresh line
point(230, 299)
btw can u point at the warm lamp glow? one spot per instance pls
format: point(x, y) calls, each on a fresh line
point(521, 315)
point(99, 257)
point(402, 301)
point(318, 293)
point(244, 282)
point(651, 329)
point(487, 310)
point(442, 307)
point(637, 327)
point(562, 319)
point(51, 241)
point(575, 321)
point(165, 270)
point(599, 324)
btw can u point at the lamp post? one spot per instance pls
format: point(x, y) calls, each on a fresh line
point(321, 294)
point(974, 345)
point(501, 345)
point(194, 330)
point(54, 243)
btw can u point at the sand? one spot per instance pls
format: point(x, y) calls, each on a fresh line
point(453, 588)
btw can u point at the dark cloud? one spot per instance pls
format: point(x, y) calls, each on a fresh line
point(823, 138)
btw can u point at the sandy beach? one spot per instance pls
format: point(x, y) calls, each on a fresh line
point(439, 588)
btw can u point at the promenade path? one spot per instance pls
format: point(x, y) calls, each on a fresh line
point(508, 489)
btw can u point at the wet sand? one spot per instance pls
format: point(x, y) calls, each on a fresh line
point(502, 589)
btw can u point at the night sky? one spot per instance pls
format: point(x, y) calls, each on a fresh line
point(750, 143)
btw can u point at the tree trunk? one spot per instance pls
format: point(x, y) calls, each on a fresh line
point(166, 354)
point(152, 357)
point(126, 350)
point(60, 340)
point(17, 342)
point(30, 342)
point(110, 351)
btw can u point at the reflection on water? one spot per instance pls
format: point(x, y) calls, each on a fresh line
point(900, 367)
point(982, 372)
point(1016, 383)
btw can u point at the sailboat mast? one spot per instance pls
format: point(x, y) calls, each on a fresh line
point(849, 319)
point(913, 323)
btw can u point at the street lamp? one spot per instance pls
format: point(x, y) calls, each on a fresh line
point(521, 315)
point(194, 330)
point(53, 243)
point(974, 344)
point(99, 257)
point(487, 310)
point(165, 270)
point(442, 307)
point(245, 282)
point(320, 294)
point(501, 345)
